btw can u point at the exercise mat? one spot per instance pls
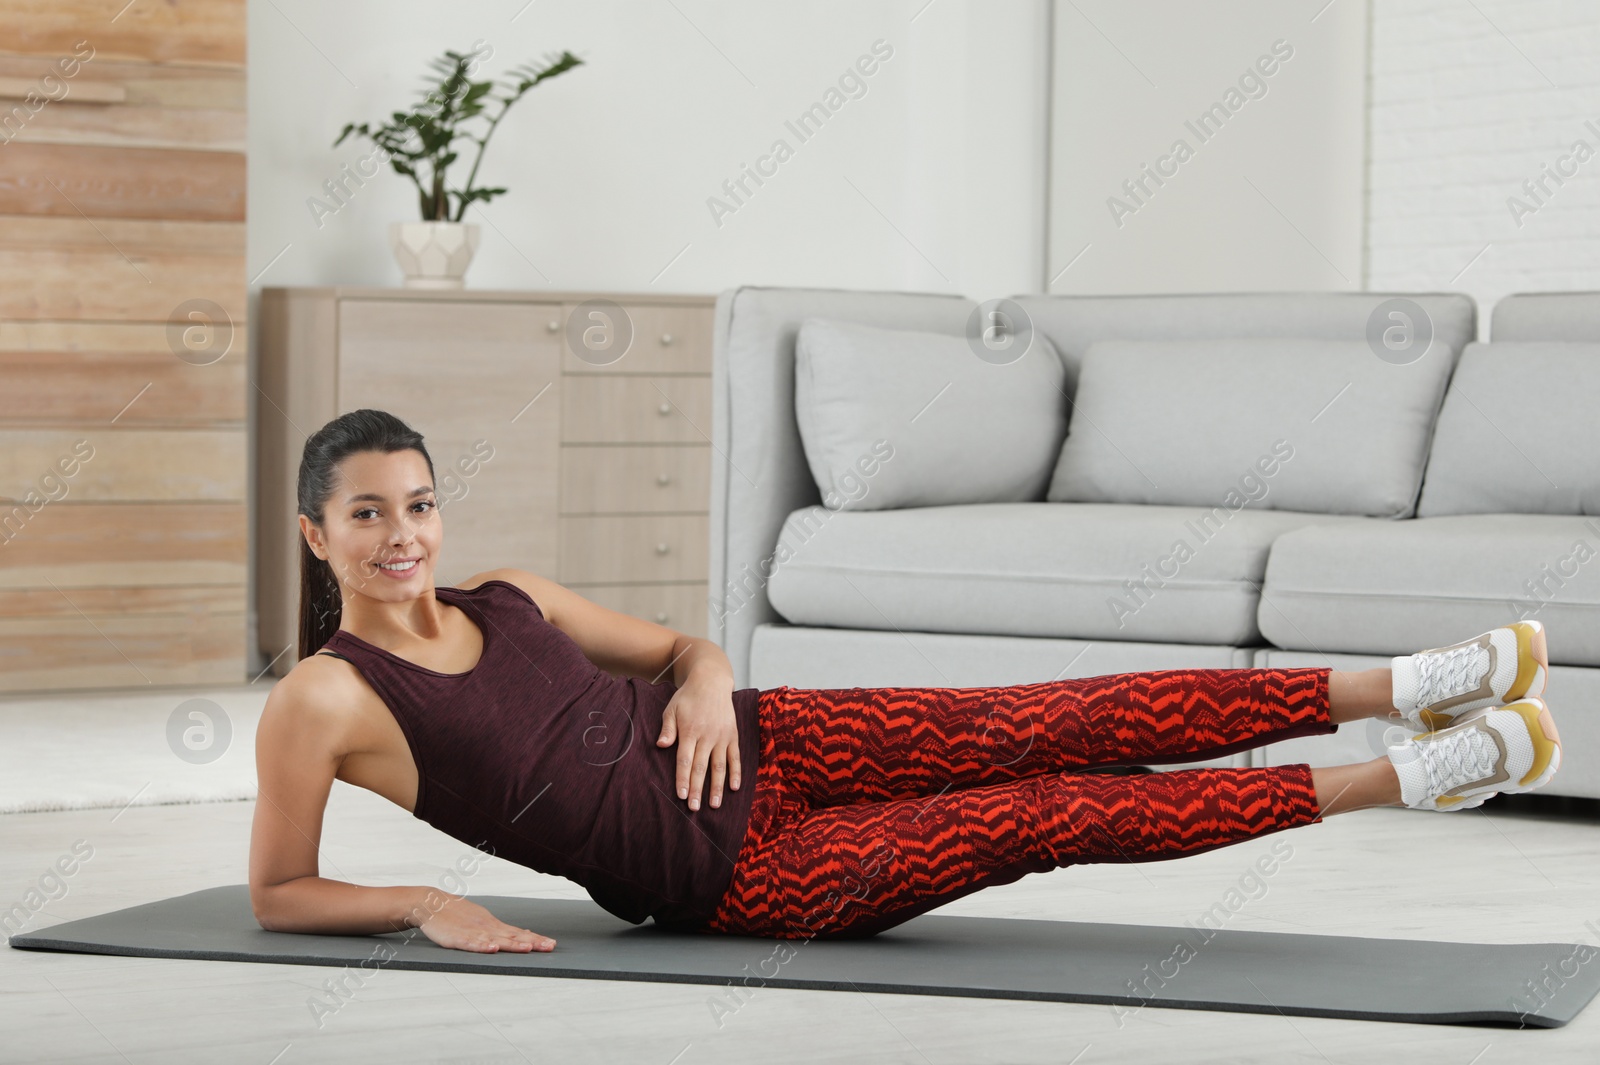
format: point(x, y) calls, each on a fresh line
point(1537, 985)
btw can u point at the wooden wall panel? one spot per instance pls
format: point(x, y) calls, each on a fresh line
point(144, 337)
point(114, 125)
point(74, 181)
point(135, 388)
point(168, 597)
point(118, 546)
point(111, 284)
point(119, 651)
point(122, 201)
point(199, 32)
point(136, 238)
point(94, 372)
point(125, 464)
point(142, 84)
point(111, 595)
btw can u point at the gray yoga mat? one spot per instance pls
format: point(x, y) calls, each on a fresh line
point(1130, 966)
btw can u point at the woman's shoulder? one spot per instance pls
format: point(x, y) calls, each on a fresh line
point(320, 688)
point(530, 586)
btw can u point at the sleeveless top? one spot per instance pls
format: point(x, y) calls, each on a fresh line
point(543, 758)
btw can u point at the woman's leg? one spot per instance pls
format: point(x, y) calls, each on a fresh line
point(850, 745)
point(1342, 788)
point(1361, 693)
point(856, 870)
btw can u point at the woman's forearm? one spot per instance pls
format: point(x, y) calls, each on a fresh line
point(700, 660)
point(315, 904)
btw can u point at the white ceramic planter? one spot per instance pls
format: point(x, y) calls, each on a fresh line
point(433, 254)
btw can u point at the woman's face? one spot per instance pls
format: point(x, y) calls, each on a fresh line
point(382, 512)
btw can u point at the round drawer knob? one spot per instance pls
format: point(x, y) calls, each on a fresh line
point(665, 408)
point(666, 339)
point(661, 549)
point(663, 480)
point(661, 617)
point(552, 326)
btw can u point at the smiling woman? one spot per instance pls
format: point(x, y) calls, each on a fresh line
point(514, 715)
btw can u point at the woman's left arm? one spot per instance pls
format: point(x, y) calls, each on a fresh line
point(699, 717)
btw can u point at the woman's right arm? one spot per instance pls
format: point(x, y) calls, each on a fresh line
point(300, 741)
point(299, 744)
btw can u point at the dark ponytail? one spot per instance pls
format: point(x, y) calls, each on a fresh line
point(355, 431)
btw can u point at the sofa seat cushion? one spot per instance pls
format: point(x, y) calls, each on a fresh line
point(1086, 570)
point(1396, 587)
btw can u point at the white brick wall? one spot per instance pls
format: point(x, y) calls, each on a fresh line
point(1469, 100)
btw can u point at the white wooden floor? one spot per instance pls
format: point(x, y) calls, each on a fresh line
point(1503, 876)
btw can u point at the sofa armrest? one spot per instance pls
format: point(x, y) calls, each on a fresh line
point(759, 473)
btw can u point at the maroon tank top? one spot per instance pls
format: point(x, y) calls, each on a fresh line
point(543, 758)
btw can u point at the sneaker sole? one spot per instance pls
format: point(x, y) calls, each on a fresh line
point(1546, 756)
point(1533, 667)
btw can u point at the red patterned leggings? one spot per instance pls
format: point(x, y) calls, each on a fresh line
point(875, 805)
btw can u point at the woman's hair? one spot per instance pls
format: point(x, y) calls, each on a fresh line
point(355, 431)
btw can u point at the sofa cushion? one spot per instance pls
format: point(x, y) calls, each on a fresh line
point(1074, 322)
point(1546, 316)
point(903, 418)
point(817, 656)
point(1089, 570)
point(1294, 424)
point(1396, 587)
point(1518, 433)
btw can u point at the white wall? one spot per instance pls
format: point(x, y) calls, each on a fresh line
point(610, 165)
point(1469, 102)
point(1268, 199)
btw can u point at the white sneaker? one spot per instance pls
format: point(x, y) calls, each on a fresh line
point(1431, 688)
point(1483, 752)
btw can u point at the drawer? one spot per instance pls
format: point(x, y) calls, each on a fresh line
point(601, 479)
point(683, 607)
point(635, 410)
point(667, 338)
point(623, 548)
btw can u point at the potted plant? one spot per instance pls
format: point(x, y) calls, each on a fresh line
point(434, 252)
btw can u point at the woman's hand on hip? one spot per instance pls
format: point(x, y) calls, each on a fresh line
point(700, 718)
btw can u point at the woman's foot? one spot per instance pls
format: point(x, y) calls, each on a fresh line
point(1433, 688)
point(1509, 749)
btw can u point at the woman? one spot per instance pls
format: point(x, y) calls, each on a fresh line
point(514, 715)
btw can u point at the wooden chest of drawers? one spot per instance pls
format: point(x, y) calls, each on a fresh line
point(599, 467)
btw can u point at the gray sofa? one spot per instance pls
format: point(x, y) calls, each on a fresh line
point(1462, 498)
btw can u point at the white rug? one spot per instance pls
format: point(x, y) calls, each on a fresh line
point(78, 750)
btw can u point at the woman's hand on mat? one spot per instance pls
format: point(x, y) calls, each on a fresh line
point(461, 924)
point(700, 719)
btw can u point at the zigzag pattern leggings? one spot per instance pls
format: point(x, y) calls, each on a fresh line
point(875, 805)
